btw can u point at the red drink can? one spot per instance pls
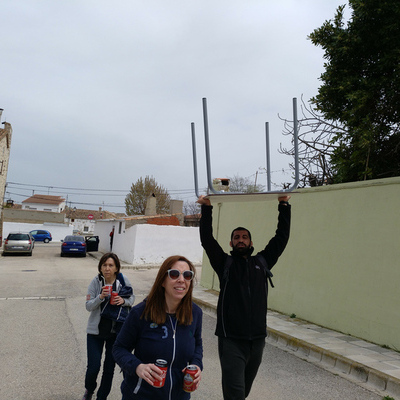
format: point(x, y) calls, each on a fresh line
point(108, 290)
point(188, 379)
point(163, 365)
point(113, 296)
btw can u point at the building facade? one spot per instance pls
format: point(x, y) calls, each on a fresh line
point(5, 147)
point(43, 202)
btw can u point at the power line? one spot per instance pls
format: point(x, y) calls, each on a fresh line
point(66, 191)
point(100, 191)
point(67, 188)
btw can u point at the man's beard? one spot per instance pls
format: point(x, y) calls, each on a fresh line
point(241, 250)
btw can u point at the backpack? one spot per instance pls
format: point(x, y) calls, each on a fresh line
point(260, 260)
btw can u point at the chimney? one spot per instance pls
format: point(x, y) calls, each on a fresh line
point(176, 206)
point(151, 206)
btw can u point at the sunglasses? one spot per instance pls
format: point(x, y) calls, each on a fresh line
point(174, 274)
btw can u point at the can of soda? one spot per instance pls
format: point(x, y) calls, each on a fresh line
point(162, 364)
point(107, 290)
point(188, 379)
point(113, 298)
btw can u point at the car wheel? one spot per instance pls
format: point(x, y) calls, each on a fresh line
point(30, 253)
point(4, 254)
point(61, 254)
point(46, 240)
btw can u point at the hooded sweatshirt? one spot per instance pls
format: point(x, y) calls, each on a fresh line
point(94, 303)
point(179, 345)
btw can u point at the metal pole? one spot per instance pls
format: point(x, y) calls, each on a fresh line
point(296, 147)
point(207, 143)
point(268, 157)
point(208, 162)
point(196, 184)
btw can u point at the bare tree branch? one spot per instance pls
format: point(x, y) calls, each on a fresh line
point(317, 141)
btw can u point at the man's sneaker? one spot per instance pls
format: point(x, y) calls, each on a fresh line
point(87, 395)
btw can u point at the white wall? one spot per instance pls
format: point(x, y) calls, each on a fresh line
point(340, 268)
point(58, 231)
point(44, 207)
point(80, 224)
point(155, 243)
point(102, 229)
point(150, 244)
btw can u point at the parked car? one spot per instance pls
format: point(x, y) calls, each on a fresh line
point(19, 242)
point(92, 243)
point(41, 236)
point(73, 244)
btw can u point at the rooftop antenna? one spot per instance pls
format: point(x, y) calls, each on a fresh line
point(196, 184)
point(208, 161)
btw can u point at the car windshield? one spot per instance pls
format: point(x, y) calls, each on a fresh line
point(18, 236)
point(74, 239)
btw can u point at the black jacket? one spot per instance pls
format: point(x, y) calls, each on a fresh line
point(242, 302)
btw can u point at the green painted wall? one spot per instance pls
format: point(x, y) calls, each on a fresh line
point(341, 268)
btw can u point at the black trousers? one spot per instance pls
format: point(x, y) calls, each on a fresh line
point(239, 360)
point(95, 345)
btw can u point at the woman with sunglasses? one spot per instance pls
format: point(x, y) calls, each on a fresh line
point(167, 326)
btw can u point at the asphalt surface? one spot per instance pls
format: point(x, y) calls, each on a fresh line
point(43, 338)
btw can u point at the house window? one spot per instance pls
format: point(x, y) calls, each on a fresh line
point(85, 229)
point(120, 227)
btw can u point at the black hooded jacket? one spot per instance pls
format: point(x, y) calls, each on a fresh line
point(242, 302)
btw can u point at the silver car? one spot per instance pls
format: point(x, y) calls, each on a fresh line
point(19, 242)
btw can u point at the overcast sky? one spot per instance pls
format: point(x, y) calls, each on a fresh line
point(102, 93)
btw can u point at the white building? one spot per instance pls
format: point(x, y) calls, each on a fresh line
point(43, 202)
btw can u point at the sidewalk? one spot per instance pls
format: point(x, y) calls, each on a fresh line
point(365, 363)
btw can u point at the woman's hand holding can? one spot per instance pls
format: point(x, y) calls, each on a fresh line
point(192, 378)
point(152, 374)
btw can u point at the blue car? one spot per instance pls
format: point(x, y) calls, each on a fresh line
point(73, 244)
point(41, 236)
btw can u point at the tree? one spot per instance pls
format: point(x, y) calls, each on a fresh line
point(191, 208)
point(316, 146)
point(239, 184)
point(361, 88)
point(136, 199)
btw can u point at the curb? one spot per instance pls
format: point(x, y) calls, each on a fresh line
point(205, 306)
point(373, 378)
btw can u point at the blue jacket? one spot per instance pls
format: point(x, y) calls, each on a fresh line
point(118, 313)
point(151, 342)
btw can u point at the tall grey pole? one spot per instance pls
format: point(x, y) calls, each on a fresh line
point(196, 184)
point(268, 156)
point(208, 162)
point(207, 143)
point(296, 147)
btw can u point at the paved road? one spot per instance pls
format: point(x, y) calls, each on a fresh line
point(42, 338)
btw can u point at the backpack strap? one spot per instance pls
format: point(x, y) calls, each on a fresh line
point(268, 274)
